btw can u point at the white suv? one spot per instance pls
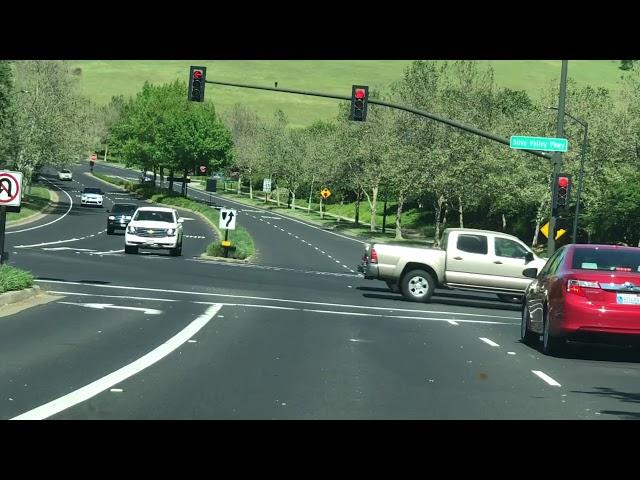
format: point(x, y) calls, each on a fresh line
point(91, 196)
point(156, 228)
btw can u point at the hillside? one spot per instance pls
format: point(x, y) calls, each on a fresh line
point(101, 79)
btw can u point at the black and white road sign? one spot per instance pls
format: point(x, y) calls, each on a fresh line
point(227, 219)
point(10, 188)
point(266, 185)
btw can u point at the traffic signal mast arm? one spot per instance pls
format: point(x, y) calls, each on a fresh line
point(422, 113)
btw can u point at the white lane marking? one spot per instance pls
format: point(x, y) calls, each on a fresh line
point(355, 314)
point(344, 266)
point(313, 247)
point(511, 353)
point(322, 251)
point(271, 218)
point(192, 341)
point(453, 322)
point(107, 252)
point(289, 233)
point(116, 390)
point(337, 261)
point(271, 299)
point(54, 221)
point(282, 229)
point(100, 385)
point(102, 306)
point(546, 378)
point(50, 243)
point(489, 342)
point(57, 249)
point(114, 296)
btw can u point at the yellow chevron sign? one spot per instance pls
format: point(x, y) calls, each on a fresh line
point(545, 231)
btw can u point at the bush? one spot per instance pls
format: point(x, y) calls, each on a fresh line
point(12, 278)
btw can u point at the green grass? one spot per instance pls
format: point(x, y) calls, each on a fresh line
point(12, 278)
point(242, 246)
point(102, 79)
point(31, 204)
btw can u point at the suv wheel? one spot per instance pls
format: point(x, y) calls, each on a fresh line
point(128, 249)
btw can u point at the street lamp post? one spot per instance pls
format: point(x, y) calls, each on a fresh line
point(583, 154)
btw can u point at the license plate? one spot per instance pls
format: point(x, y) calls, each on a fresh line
point(628, 299)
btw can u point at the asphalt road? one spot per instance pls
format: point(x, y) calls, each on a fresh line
point(296, 335)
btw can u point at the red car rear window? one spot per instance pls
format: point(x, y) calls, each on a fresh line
point(606, 259)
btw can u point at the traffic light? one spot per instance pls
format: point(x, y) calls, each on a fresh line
point(196, 84)
point(359, 99)
point(562, 188)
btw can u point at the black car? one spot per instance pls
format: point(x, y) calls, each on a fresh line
point(120, 216)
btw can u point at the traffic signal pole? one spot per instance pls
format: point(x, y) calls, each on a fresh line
point(557, 159)
point(422, 113)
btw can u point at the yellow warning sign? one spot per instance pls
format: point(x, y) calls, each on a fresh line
point(545, 231)
point(325, 192)
point(226, 243)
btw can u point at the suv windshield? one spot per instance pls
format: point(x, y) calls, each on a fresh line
point(606, 259)
point(96, 191)
point(155, 216)
point(124, 208)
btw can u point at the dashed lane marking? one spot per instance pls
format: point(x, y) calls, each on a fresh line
point(489, 342)
point(546, 378)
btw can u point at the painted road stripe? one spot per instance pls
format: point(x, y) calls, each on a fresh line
point(453, 322)
point(489, 342)
point(546, 378)
point(54, 221)
point(49, 243)
point(115, 296)
point(114, 378)
point(271, 299)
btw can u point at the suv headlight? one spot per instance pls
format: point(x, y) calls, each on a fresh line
point(131, 229)
point(111, 217)
point(171, 232)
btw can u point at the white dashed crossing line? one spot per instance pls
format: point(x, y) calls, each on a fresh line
point(453, 322)
point(546, 378)
point(489, 342)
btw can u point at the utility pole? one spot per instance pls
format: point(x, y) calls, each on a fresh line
point(557, 158)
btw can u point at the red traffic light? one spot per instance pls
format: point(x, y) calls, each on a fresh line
point(563, 181)
point(359, 93)
point(197, 74)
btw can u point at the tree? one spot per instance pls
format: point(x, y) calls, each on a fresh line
point(51, 123)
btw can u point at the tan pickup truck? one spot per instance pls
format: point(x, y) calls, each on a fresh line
point(470, 259)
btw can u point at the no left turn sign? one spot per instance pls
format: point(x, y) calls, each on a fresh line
point(10, 188)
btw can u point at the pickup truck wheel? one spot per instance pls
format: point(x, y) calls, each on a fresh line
point(417, 286)
point(109, 231)
point(128, 249)
point(176, 252)
point(393, 286)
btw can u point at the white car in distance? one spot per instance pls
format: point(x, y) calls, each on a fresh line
point(65, 175)
point(91, 196)
point(154, 228)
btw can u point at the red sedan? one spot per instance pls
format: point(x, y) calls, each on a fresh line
point(584, 292)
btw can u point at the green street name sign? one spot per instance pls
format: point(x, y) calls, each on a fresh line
point(540, 143)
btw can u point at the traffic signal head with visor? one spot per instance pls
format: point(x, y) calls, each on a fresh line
point(197, 78)
point(359, 100)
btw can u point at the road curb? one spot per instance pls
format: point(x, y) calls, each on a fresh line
point(9, 298)
point(226, 260)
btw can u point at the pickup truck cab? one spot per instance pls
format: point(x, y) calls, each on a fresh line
point(470, 259)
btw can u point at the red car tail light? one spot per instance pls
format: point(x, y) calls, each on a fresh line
point(374, 255)
point(577, 286)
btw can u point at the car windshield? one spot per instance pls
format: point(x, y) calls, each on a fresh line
point(66, 171)
point(154, 216)
point(96, 191)
point(606, 259)
point(124, 208)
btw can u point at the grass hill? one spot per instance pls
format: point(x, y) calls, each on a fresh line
point(101, 79)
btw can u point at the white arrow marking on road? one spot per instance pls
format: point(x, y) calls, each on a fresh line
point(102, 306)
